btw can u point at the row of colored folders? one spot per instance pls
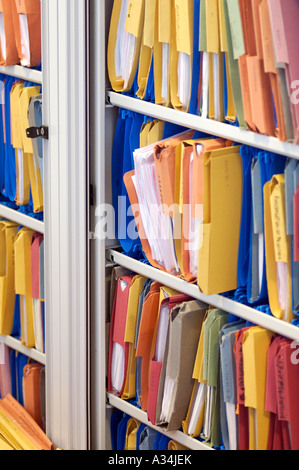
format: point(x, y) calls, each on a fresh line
point(228, 383)
point(208, 211)
point(20, 33)
point(21, 285)
point(18, 431)
point(129, 434)
point(228, 60)
point(24, 380)
point(21, 157)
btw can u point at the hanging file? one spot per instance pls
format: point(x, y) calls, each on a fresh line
point(218, 254)
point(22, 253)
point(124, 43)
point(8, 233)
point(28, 32)
point(176, 382)
point(8, 49)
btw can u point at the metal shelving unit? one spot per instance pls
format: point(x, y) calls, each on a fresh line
point(104, 105)
point(64, 78)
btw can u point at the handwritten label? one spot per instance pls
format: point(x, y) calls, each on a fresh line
point(281, 388)
point(278, 223)
point(134, 16)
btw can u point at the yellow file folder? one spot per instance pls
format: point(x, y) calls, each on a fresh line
point(255, 348)
point(278, 249)
point(124, 43)
point(8, 232)
point(23, 284)
point(181, 55)
point(132, 311)
point(222, 207)
point(34, 171)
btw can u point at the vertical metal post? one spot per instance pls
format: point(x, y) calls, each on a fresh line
point(65, 97)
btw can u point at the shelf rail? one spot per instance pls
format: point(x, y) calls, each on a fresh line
point(244, 312)
point(209, 126)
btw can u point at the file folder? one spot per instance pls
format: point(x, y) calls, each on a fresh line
point(5, 371)
point(193, 423)
point(147, 49)
point(8, 49)
point(287, 377)
point(291, 182)
point(211, 432)
point(289, 58)
point(275, 437)
point(146, 332)
point(256, 342)
point(281, 58)
point(22, 253)
point(33, 164)
point(277, 244)
point(160, 339)
point(28, 32)
point(271, 69)
point(8, 233)
point(176, 382)
point(130, 332)
point(35, 119)
point(235, 49)
point(181, 56)
point(162, 52)
point(32, 391)
point(228, 389)
point(127, 131)
point(118, 349)
point(21, 159)
point(243, 412)
point(20, 429)
point(218, 253)
point(124, 42)
point(153, 209)
point(36, 291)
point(189, 199)
point(263, 167)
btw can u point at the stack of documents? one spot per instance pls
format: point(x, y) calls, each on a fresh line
point(232, 61)
point(20, 33)
point(208, 211)
point(188, 215)
point(23, 379)
point(18, 430)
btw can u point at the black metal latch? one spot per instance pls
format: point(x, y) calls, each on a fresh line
point(35, 132)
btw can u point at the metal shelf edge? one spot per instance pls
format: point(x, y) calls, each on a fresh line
point(220, 129)
point(141, 416)
point(23, 73)
point(22, 219)
point(15, 344)
point(218, 301)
